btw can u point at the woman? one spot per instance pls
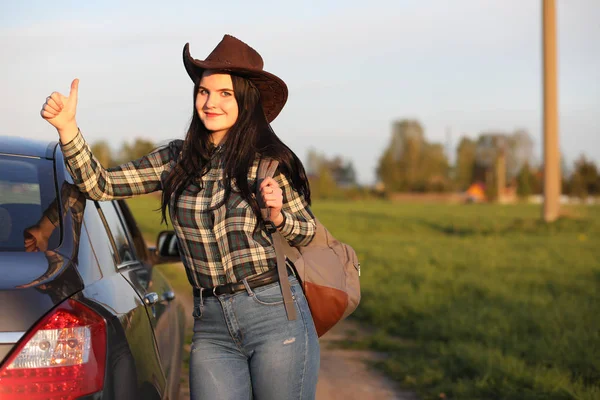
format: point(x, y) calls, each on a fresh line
point(243, 343)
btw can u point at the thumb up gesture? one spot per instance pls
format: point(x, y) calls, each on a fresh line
point(60, 110)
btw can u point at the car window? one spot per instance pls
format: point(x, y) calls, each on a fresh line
point(141, 248)
point(118, 232)
point(102, 243)
point(27, 189)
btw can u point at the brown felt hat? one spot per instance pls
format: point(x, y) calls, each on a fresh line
point(234, 56)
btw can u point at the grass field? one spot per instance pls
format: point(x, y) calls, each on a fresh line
point(472, 301)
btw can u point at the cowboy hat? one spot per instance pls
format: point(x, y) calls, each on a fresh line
point(234, 56)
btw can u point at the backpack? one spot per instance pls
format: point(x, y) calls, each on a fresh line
point(327, 269)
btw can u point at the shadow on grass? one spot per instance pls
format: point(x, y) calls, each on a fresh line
point(518, 226)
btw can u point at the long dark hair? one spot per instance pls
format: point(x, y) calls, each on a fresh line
point(251, 136)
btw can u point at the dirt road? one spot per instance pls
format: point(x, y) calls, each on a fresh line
point(345, 374)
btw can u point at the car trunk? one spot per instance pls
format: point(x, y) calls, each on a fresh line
point(31, 284)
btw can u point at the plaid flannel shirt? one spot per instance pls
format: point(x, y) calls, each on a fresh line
point(217, 244)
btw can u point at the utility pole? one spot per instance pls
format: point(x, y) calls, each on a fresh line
point(551, 146)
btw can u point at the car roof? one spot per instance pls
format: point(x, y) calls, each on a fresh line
point(15, 145)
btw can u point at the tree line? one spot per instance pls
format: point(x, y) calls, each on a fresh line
point(411, 163)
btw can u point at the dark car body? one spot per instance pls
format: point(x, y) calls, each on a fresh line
point(96, 261)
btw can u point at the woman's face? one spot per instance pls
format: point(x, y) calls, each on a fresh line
point(216, 104)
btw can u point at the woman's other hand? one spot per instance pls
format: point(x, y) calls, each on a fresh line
point(35, 240)
point(36, 236)
point(272, 197)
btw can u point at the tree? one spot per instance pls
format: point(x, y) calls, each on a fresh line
point(465, 163)
point(410, 163)
point(525, 182)
point(519, 151)
point(323, 185)
point(341, 170)
point(516, 147)
point(139, 148)
point(433, 169)
point(399, 164)
point(389, 172)
point(403, 131)
point(103, 153)
point(585, 179)
point(313, 162)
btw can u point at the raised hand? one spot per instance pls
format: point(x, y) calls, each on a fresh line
point(60, 111)
point(272, 197)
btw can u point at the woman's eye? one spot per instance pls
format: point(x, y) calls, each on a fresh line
point(225, 94)
point(202, 91)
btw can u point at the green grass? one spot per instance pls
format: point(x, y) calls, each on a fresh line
point(175, 274)
point(476, 301)
point(144, 208)
point(479, 301)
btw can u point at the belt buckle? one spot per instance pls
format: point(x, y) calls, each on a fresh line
point(227, 289)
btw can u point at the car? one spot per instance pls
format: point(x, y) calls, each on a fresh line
point(84, 314)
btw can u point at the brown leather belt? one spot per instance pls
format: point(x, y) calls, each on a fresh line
point(231, 288)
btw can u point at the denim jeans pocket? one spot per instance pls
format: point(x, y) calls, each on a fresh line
point(270, 295)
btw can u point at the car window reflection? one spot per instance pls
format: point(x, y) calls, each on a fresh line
point(72, 206)
point(26, 188)
point(122, 243)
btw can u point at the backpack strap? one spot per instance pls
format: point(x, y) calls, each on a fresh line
point(266, 169)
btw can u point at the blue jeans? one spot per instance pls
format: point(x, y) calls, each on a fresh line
point(244, 347)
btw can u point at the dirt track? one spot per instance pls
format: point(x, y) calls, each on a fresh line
point(345, 374)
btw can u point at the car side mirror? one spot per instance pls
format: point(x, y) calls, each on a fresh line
point(167, 248)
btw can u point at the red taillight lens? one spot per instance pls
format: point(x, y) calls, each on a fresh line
point(63, 357)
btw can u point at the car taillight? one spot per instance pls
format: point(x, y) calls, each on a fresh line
point(63, 357)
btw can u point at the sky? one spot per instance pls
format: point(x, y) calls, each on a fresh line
point(459, 67)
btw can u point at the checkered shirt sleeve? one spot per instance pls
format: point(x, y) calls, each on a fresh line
point(299, 227)
point(136, 177)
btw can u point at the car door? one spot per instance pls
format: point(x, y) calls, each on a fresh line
point(115, 292)
point(151, 285)
point(171, 332)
